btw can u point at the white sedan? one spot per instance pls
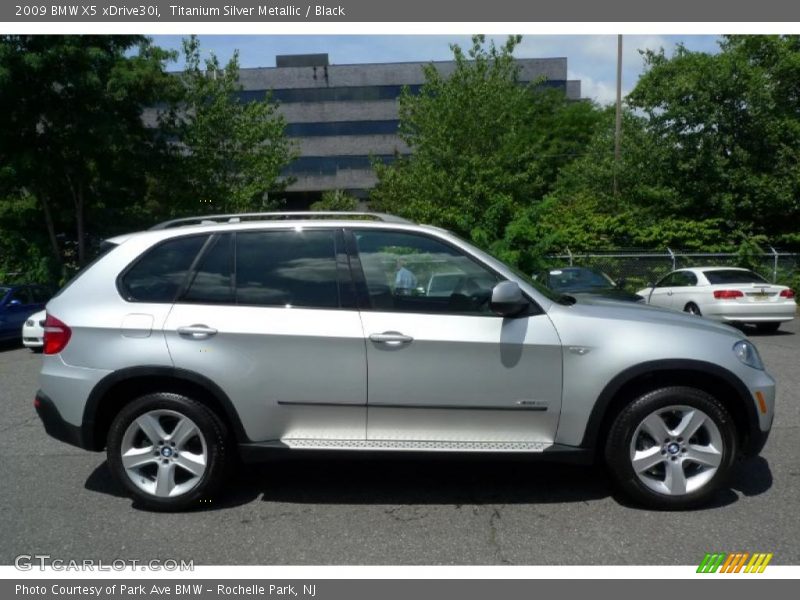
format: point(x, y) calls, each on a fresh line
point(724, 294)
point(33, 331)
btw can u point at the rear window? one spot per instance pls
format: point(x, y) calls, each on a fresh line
point(161, 272)
point(733, 276)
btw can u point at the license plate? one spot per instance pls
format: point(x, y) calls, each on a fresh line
point(760, 297)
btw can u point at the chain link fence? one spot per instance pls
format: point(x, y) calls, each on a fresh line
point(639, 267)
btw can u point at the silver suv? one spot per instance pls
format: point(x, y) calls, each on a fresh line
point(204, 340)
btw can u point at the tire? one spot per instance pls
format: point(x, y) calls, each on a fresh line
point(185, 463)
point(692, 309)
point(666, 476)
point(770, 327)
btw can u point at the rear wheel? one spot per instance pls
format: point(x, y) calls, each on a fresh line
point(770, 327)
point(672, 448)
point(168, 451)
point(692, 309)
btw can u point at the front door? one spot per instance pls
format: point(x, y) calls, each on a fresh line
point(442, 366)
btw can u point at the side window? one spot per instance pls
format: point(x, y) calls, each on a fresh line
point(287, 268)
point(690, 279)
point(40, 295)
point(667, 281)
point(22, 295)
point(213, 278)
point(159, 273)
point(407, 272)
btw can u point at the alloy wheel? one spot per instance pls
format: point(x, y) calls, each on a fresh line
point(164, 453)
point(676, 450)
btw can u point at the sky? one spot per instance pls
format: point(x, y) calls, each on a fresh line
point(590, 58)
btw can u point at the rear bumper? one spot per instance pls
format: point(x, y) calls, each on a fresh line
point(56, 426)
point(751, 312)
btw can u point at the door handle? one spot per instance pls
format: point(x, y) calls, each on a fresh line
point(197, 332)
point(669, 293)
point(391, 338)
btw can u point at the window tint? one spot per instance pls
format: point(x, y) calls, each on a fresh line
point(667, 281)
point(22, 295)
point(406, 272)
point(324, 128)
point(40, 295)
point(733, 276)
point(287, 268)
point(213, 281)
point(159, 274)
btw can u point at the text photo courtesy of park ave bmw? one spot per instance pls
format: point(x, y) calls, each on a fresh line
point(510, 304)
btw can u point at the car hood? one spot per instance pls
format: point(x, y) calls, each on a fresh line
point(604, 308)
point(613, 294)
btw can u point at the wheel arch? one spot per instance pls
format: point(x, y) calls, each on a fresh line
point(644, 377)
point(121, 387)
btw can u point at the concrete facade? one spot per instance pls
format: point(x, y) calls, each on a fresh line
point(341, 116)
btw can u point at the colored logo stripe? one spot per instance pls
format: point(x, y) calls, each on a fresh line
point(734, 562)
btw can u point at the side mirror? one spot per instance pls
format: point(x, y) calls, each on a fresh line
point(621, 282)
point(507, 299)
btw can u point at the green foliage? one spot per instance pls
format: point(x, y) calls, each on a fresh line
point(729, 125)
point(71, 132)
point(483, 145)
point(335, 200)
point(235, 150)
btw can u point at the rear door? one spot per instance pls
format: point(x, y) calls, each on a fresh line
point(269, 316)
point(443, 367)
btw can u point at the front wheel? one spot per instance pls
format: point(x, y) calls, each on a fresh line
point(672, 448)
point(168, 451)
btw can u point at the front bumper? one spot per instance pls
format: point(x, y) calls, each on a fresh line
point(56, 426)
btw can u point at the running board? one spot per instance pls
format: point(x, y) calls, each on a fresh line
point(406, 445)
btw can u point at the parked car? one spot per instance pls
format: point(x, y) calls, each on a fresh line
point(33, 332)
point(585, 280)
point(17, 303)
point(241, 335)
point(724, 294)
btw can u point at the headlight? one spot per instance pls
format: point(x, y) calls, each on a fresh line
point(746, 352)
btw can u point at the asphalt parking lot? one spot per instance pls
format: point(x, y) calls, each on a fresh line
point(61, 501)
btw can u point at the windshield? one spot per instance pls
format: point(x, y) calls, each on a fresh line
point(578, 279)
point(733, 276)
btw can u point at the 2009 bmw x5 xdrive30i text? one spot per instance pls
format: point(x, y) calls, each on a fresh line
point(184, 346)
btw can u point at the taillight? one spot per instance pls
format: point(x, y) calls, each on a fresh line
point(787, 293)
point(728, 294)
point(56, 335)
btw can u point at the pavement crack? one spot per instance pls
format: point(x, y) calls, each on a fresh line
point(494, 536)
point(405, 514)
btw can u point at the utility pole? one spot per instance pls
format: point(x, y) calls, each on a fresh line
point(618, 127)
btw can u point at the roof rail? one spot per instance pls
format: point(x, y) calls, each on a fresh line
point(265, 216)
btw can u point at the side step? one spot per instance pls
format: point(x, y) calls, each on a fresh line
point(406, 445)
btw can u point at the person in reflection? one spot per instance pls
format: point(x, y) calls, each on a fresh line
point(405, 282)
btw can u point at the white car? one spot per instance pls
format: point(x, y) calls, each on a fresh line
point(33, 331)
point(724, 294)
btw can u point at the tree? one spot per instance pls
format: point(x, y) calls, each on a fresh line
point(235, 150)
point(72, 138)
point(335, 200)
point(730, 125)
point(483, 144)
